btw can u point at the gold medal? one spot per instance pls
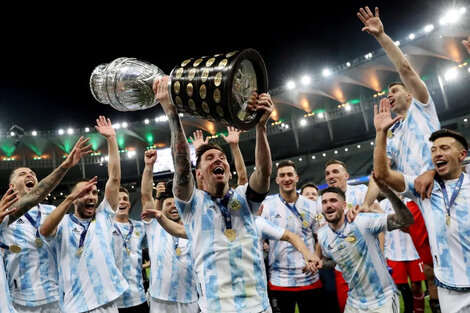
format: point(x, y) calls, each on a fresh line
point(390, 134)
point(137, 233)
point(305, 223)
point(230, 234)
point(235, 205)
point(350, 205)
point(448, 220)
point(302, 214)
point(178, 251)
point(15, 248)
point(319, 217)
point(79, 252)
point(350, 239)
point(38, 242)
point(128, 252)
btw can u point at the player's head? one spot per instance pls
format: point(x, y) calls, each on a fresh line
point(169, 207)
point(333, 201)
point(85, 206)
point(212, 168)
point(22, 179)
point(286, 176)
point(310, 191)
point(336, 174)
point(400, 97)
point(124, 203)
point(448, 151)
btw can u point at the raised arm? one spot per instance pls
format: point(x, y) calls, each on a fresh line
point(312, 261)
point(46, 185)
point(198, 139)
point(49, 227)
point(382, 122)
point(173, 228)
point(402, 216)
point(8, 199)
point(233, 138)
point(105, 128)
point(259, 180)
point(373, 25)
point(146, 185)
point(183, 181)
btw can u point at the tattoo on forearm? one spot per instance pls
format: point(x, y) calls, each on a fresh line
point(402, 217)
point(180, 152)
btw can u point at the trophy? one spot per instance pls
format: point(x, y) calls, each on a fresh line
point(216, 88)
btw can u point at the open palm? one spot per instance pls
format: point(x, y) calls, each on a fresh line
point(372, 24)
point(383, 116)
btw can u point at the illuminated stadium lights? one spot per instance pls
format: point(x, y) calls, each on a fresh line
point(347, 107)
point(277, 164)
point(12, 134)
point(346, 149)
point(34, 133)
point(300, 159)
point(163, 118)
point(61, 131)
point(146, 121)
point(116, 126)
point(371, 143)
point(313, 157)
point(368, 56)
point(321, 115)
point(124, 125)
point(469, 69)
point(465, 120)
point(283, 125)
point(286, 126)
point(309, 114)
point(181, 114)
point(359, 146)
point(326, 72)
point(429, 28)
point(157, 119)
point(303, 122)
point(70, 131)
point(130, 154)
point(348, 64)
point(336, 152)
point(452, 16)
point(451, 74)
point(411, 36)
point(324, 154)
point(234, 173)
point(87, 129)
point(290, 85)
point(397, 43)
point(305, 80)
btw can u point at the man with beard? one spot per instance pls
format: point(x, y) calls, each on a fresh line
point(220, 223)
point(172, 281)
point(29, 262)
point(288, 283)
point(88, 275)
point(446, 212)
point(354, 247)
point(128, 240)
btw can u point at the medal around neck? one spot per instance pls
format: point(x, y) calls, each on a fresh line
point(15, 248)
point(79, 252)
point(216, 88)
point(230, 234)
point(178, 251)
point(38, 242)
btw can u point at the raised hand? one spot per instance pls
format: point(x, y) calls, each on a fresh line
point(233, 136)
point(150, 157)
point(383, 116)
point(372, 24)
point(198, 139)
point(8, 199)
point(161, 188)
point(264, 103)
point(160, 88)
point(151, 213)
point(79, 150)
point(105, 127)
point(466, 44)
point(86, 188)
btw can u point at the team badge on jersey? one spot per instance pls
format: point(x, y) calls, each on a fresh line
point(235, 205)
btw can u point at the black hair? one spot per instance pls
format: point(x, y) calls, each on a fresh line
point(334, 190)
point(449, 133)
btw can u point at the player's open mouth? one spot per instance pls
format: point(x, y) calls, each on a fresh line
point(218, 171)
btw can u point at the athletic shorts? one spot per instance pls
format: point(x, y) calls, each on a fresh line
point(419, 234)
point(404, 269)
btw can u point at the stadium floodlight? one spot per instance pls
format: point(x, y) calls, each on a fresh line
point(290, 85)
point(305, 80)
point(321, 115)
point(87, 129)
point(348, 64)
point(34, 133)
point(411, 36)
point(61, 131)
point(451, 74)
point(124, 124)
point(70, 131)
point(303, 122)
point(116, 126)
point(146, 121)
point(326, 72)
point(397, 43)
point(452, 16)
point(429, 28)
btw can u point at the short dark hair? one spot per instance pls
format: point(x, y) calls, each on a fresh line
point(13, 172)
point(397, 83)
point(286, 163)
point(334, 190)
point(333, 161)
point(308, 184)
point(449, 133)
point(203, 148)
point(123, 189)
point(76, 182)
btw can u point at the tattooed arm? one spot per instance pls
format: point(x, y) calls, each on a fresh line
point(183, 181)
point(45, 186)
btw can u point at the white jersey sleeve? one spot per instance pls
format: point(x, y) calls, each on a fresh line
point(5, 304)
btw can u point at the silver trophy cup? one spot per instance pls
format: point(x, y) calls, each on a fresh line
point(216, 88)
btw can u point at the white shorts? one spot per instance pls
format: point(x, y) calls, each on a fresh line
point(392, 306)
point(452, 301)
point(160, 306)
point(52, 307)
point(107, 308)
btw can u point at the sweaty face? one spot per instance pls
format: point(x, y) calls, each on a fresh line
point(124, 205)
point(399, 98)
point(333, 206)
point(23, 180)
point(447, 155)
point(86, 205)
point(169, 209)
point(213, 168)
point(336, 176)
point(287, 178)
point(310, 193)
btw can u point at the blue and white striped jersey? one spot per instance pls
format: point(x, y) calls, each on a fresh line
point(398, 244)
point(32, 273)
point(171, 275)
point(360, 260)
point(89, 280)
point(229, 274)
point(450, 245)
point(5, 304)
point(130, 265)
point(285, 262)
point(410, 148)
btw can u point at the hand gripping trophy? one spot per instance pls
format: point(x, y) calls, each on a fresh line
point(216, 88)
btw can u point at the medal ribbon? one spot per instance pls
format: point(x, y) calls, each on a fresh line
point(455, 192)
point(4, 246)
point(126, 240)
point(176, 241)
point(293, 209)
point(36, 222)
point(341, 233)
point(395, 126)
point(84, 232)
point(224, 209)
